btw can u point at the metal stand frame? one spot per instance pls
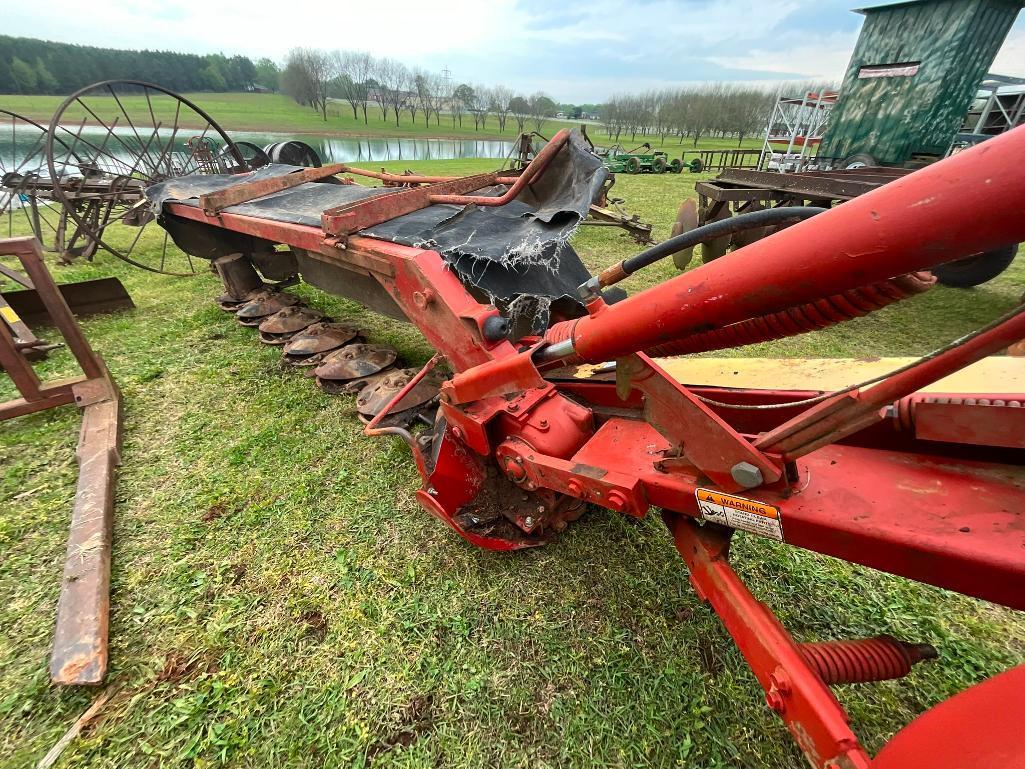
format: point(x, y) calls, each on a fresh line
point(80, 639)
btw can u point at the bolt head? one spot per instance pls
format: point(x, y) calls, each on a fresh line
point(528, 522)
point(746, 475)
point(775, 701)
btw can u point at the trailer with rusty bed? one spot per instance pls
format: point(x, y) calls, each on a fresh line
point(556, 396)
point(738, 191)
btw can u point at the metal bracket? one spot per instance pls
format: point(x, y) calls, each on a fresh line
point(694, 430)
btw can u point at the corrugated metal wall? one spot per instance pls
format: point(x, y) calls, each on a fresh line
point(891, 118)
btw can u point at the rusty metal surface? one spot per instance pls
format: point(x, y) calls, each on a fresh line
point(263, 304)
point(80, 646)
point(834, 185)
point(290, 320)
point(356, 361)
point(213, 202)
point(318, 339)
point(85, 297)
point(379, 392)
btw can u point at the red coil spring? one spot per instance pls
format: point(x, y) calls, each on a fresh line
point(905, 407)
point(863, 660)
point(807, 317)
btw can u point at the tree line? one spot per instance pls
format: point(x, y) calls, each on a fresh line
point(714, 109)
point(387, 88)
point(30, 66)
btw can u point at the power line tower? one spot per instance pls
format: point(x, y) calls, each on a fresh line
point(446, 76)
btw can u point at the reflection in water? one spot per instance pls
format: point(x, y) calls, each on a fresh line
point(360, 150)
point(14, 145)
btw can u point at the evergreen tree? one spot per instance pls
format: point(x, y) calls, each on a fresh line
point(24, 76)
point(45, 81)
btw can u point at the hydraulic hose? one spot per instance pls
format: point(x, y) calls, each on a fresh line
point(767, 217)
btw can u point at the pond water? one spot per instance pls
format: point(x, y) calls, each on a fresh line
point(16, 144)
point(364, 150)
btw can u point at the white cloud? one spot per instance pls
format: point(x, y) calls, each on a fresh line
point(823, 58)
point(575, 51)
point(1011, 58)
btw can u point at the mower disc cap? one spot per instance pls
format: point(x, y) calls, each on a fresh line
point(320, 337)
point(355, 362)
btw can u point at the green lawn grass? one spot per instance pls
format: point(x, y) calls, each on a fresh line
point(278, 113)
point(279, 598)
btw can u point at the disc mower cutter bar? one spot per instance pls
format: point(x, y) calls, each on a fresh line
point(932, 489)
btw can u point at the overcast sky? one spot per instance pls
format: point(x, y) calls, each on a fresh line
point(578, 52)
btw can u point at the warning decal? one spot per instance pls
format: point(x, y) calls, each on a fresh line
point(739, 513)
point(9, 315)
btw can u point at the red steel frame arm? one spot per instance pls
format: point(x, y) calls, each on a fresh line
point(966, 204)
point(816, 720)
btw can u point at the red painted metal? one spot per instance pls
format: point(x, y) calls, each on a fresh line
point(361, 214)
point(792, 688)
point(968, 203)
point(798, 320)
point(980, 727)
point(855, 476)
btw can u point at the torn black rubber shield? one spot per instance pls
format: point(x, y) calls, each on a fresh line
point(517, 254)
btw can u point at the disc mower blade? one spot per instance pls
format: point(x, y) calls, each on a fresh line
point(263, 304)
point(686, 220)
point(378, 394)
point(279, 328)
point(356, 361)
point(317, 340)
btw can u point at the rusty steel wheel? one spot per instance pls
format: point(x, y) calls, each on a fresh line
point(109, 142)
point(27, 205)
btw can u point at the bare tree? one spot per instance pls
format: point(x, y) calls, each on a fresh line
point(395, 81)
point(542, 107)
point(480, 105)
point(501, 100)
point(520, 109)
point(426, 88)
point(307, 77)
point(355, 70)
point(464, 98)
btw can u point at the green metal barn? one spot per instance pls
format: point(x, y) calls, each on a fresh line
point(913, 75)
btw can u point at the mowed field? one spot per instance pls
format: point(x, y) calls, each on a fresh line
point(279, 113)
point(279, 598)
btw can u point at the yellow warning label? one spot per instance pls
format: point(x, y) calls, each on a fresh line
point(740, 513)
point(9, 315)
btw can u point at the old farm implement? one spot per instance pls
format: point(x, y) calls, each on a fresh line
point(736, 192)
point(642, 159)
point(69, 183)
point(80, 639)
point(546, 393)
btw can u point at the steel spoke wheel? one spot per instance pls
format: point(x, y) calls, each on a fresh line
point(27, 205)
point(110, 141)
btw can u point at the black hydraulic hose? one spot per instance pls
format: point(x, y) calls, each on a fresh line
point(767, 217)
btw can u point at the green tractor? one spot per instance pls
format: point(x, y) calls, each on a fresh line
point(619, 161)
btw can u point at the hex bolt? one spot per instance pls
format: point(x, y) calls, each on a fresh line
point(617, 500)
point(747, 475)
point(780, 681)
point(422, 299)
point(528, 522)
point(775, 702)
